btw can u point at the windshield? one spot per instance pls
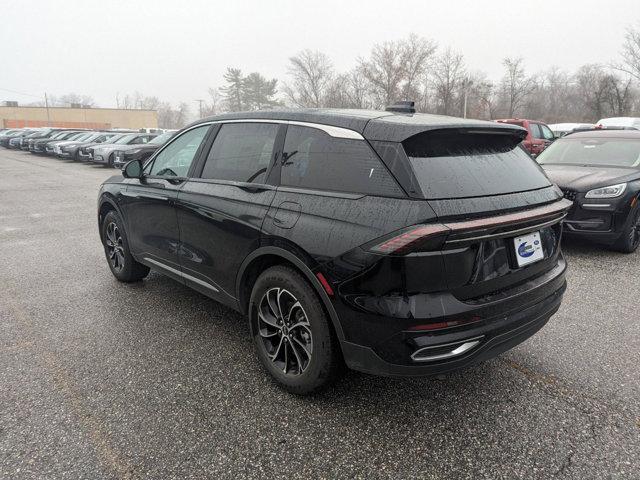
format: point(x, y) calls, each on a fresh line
point(114, 138)
point(75, 136)
point(615, 152)
point(125, 139)
point(160, 139)
point(460, 165)
point(91, 136)
point(84, 137)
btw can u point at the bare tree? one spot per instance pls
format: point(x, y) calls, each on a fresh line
point(169, 117)
point(311, 75)
point(215, 103)
point(394, 69)
point(631, 53)
point(73, 98)
point(448, 76)
point(592, 85)
point(515, 85)
point(417, 54)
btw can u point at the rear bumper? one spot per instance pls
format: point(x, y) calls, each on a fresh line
point(494, 338)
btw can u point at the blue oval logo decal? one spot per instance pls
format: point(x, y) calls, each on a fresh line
point(525, 250)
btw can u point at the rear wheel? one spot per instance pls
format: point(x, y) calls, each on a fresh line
point(291, 332)
point(630, 238)
point(116, 248)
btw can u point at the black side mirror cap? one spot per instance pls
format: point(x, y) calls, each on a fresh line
point(132, 169)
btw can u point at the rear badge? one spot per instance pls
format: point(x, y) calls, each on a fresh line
point(528, 248)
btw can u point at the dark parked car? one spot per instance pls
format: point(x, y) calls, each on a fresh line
point(539, 135)
point(50, 146)
point(7, 135)
point(70, 148)
point(103, 153)
point(41, 145)
point(400, 244)
point(599, 170)
point(126, 153)
point(15, 141)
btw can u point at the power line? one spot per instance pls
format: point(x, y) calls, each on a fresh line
point(20, 93)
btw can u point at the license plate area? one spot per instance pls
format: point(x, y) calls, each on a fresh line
point(528, 249)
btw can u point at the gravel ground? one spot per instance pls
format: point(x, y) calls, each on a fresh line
point(104, 380)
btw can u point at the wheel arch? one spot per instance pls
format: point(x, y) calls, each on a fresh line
point(268, 256)
point(107, 204)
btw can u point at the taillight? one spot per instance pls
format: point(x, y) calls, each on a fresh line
point(411, 239)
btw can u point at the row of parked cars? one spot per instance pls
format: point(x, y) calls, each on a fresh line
point(111, 148)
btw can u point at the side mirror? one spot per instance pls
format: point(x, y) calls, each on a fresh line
point(132, 169)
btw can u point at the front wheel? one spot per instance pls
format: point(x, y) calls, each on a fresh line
point(630, 238)
point(116, 248)
point(291, 332)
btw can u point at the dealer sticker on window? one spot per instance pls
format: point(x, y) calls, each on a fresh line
point(528, 248)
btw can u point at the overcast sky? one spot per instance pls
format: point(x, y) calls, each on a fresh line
point(177, 49)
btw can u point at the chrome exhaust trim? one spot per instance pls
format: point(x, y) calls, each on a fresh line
point(456, 349)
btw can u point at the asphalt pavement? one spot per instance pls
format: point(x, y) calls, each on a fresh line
point(105, 380)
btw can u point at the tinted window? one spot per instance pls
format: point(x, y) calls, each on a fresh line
point(177, 157)
point(593, 151)
point(140, 140)
point(459, 165)
point(241, 152)
point(535, 130)
point(313, 159)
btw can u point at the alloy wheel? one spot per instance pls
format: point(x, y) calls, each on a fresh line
point(285, 331)
point(634, 234)
point(115, 247)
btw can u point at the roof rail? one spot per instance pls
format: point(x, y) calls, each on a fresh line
point(402, 107)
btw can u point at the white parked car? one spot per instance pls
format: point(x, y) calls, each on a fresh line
point(561, 129)
point(630, 122)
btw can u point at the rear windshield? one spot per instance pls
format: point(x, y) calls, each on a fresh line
point(467, 164)
point(618, 152)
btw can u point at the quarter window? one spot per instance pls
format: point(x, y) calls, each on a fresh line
point(241, 152)
point(176, 158)
point(546, 132)
point(315, 160)
point(535, 130)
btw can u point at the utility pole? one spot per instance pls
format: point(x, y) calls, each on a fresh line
point(466, 84)
point(46, 104)
point(199, 100)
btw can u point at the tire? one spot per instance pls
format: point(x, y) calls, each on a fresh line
point(630, 238)
point(306, 357)
point(116, 248)
point(110, 161)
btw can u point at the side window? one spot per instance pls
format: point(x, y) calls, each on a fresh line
point(176, 158)
point(535, 130)
point(139, 140)
point(241, 152)
point(546, 132)
point(313, 159)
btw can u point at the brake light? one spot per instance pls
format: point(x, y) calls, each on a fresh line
point(418, 237)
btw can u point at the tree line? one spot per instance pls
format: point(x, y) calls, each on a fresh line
point(440, 82)
point(418, 69)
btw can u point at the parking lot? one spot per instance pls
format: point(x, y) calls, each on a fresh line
point(104, 380)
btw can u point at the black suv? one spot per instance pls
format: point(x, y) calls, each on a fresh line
point(397, 243)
